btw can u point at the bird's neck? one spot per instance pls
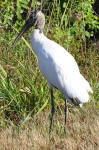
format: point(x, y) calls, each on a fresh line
point(37, 34)
point(37, 39)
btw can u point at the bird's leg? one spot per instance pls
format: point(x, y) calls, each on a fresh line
point(53, 109)
point(66, 111)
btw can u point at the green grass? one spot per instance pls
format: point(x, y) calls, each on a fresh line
point(23, 90)
point(25, 97)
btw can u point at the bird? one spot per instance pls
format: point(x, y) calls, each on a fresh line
point(56, 64)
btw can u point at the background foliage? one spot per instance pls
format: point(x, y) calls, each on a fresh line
point(73, 24)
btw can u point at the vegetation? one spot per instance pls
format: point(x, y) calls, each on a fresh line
point(24, 92)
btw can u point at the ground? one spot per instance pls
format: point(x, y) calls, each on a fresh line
point(81, 133)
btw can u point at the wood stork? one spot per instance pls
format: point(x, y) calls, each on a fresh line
point(56, 64)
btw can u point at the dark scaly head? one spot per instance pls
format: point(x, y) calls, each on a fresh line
point(36, 19)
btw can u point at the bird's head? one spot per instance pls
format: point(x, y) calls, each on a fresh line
point(36, 19)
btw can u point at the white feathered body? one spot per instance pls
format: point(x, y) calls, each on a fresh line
point(60, 68)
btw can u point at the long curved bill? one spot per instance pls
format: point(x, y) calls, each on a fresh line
point(23, 30)
point(29, 23)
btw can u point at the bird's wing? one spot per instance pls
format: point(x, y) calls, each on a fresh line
point(61, 57)
point(61, 70)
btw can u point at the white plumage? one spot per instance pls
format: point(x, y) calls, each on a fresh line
point(59, 67)
point(56, 64)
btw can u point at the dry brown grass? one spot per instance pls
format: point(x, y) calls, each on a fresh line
point(82, 132)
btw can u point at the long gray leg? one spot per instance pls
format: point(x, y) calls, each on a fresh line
point(53, 109)
point(66, 111)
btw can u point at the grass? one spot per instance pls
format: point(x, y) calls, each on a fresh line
point(81, 132)
point(25, 103)
point(25, 98)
